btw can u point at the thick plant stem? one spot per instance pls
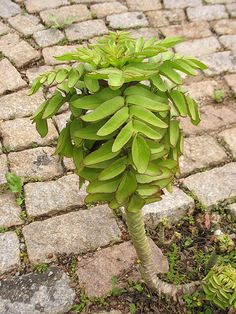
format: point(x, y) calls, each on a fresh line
point(140, 241)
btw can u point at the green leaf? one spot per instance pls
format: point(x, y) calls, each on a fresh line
point(14, 182)
point(64, 145)
point(116, 79)
point(174, 132)
point(147, 190)
point(105, 109)
point(78, 156)
point(194, 63)
point(113, 170)
point(171, 41)
point(136, 203)
point(98, 197)
point(171, 74)
point(178, 100)
point(140, 154)
point(35, 86)
point(73, 78)
point(127, 187)
point(193, 110)
point(146, 130)
point(61, 75)
point(51, 78)
point(75, 127)
point(141, 90)
point(147, 116)
point(103, 153)
point(90, 132)
point(53, 105)
point(146, 103)
point(159, 83)
point(89, 174)
point(41, 127)
point(182, 66)
point(119, 118)
point(91, 84)
point(123, 137)
point(109, 186)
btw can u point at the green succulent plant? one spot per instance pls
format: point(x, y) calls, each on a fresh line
point(220, 286)
point(124, 131)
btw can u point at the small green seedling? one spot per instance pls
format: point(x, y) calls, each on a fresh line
point(226, 244)
point(56, 24)
point(218, 95)
point(15, 184)
point(40, 268)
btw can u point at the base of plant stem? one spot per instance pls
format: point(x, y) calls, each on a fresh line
point(140, 241)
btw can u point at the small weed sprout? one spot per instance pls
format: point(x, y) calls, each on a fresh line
point(15, 184)
point(56, 24)
point(218, 95)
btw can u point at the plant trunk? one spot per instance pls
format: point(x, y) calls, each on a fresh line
point(138, 236)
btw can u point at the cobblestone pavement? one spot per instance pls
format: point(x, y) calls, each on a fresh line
point(53, 222)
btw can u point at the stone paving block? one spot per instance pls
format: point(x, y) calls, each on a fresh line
point(144, 5)
point(173, 206)
point(229, 136)
point(48, 37)
point(35, 164)
point(190, 30)
point(4, 29)
point(231, 8)
point(19, 104)
point(9, 210)
point(225, 27)
point(53, 196)
point(219, 62)
point(103, 9)
point(232, 210)
point(10, 78)
point(20, 134)
point(212, 118)
point(198, 47)
point(214, 185)
point(231, 81)
point(199, 152)
point(220, 1)
point(9, 252)
point(3, 169)
point(228, 41)
point(90, 230)
point(68, 164)
point(202, 90)
point(33, 6)
point(76, 13)
point(207, 13)
point(50, 52)
point(33, 73)
point(144, 32)
point(62, 119)
point(33, 293)
point(86, 30)
point(165, 17)
point(127, 20)
point(95, 273)
point(8, 8)
point(26, 24)
point(181, 4)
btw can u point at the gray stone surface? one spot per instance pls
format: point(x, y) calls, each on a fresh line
point(219, 62)
point(9, 252)
point(231, 81)
point(86, 30)
point(127, 20)
point(181, 4)
point(47, 293)
point(9, 210)
point(202, 90)
point(199, 152)
point(145, 32)
point(208, 12)
point(33, 73)
point(101, 10)
point(228, 42)
point(231, 8)
point(19, 104)
point(163, 18)
point(62, 119)
point(76, 232)
point(3, 169)
point(33, 6)
point(54, 196)
point(225, 27)
point(8, 8)
point(3, 28)
point(229, 136)
point(232, 210)
point(35, 164)
point(144, 5)
point(10, 78)
point(198, 47)
point(48, 37)
point(50, 52)
point(188, 30)
point(95, 273)
point(74, 13)
point(26, 24)
point(173, 206)
point(212, 118)
point(214, 185)
point(20, 134)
